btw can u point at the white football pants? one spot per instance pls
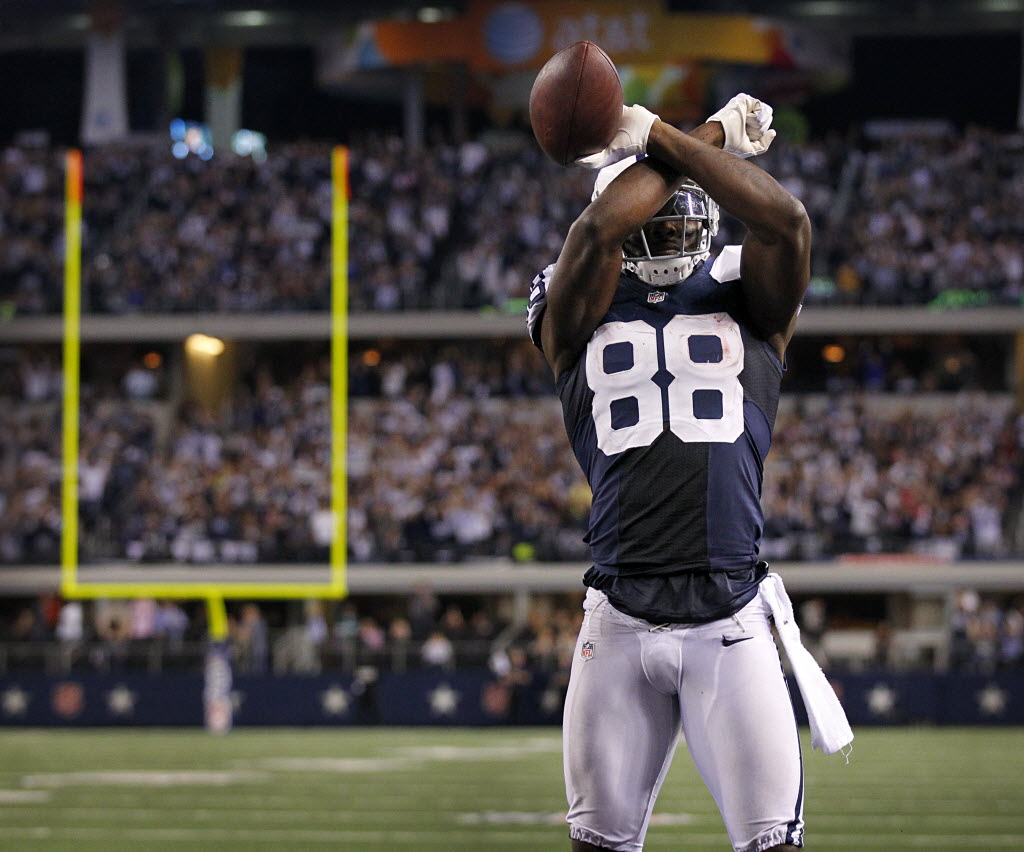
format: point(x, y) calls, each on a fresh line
point(634, 685)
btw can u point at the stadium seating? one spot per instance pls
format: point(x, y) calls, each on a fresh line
point(907, 220)
point(463, 458)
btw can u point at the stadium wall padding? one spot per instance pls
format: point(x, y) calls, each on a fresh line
point(467, 697)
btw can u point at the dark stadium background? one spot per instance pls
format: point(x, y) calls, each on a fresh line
point(968, 75)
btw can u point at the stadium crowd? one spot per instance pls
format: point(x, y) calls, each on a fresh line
point(420, 630)
point(932, 218)
point(847, 479)
point(985, 634)
point(908, 219)
point(460, 454)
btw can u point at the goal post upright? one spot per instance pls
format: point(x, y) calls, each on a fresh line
point(72, 367)
point(213, 592)
point(339, 366)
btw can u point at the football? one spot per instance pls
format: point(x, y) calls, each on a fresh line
point(576, 103)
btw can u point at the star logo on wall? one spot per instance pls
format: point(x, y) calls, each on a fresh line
point(15, 701)
point(881, 699)
point(121, 700)
point(992, 700)
point(443, 700)
point(335, 700)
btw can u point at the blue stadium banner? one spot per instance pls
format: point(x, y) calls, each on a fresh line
point(467, 697)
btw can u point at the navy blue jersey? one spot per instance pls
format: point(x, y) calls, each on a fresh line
point(670, 410)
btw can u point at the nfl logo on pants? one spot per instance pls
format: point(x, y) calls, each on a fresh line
point(587, 651)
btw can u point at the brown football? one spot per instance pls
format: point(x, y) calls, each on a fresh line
point(576, 103)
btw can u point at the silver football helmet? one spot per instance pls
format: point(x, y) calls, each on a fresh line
point(668, 248)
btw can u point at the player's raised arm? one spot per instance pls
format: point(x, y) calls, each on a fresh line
point(776, 252)
point(583, 283)
point(584, 280)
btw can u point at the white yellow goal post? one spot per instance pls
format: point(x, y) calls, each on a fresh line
point(214, 592)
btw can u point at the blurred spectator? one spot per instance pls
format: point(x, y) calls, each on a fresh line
point(299, 648)
point(423, 607)
point(985, 634)
point(143, 618)
point(71, 624)
point(1011, 640)
point(364, 690)
point(316, 623)
point(140, 382)
point(372, 640)
point(25, 626)
point(346, 626)
point(112, 620)
point(250, 642)
point(515, 678)
point(884, 655)
point(171, 624)
point(399, 640)
point(453, 623)
point(437, 651)
point(961, 649)
point(983, 631)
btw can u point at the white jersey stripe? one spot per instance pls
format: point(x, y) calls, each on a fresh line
point(537, 302)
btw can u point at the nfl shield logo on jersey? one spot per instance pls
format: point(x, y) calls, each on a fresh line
point(587, 651)
point(654, 298)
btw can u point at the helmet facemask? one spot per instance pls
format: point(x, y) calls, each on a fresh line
point(672, 243)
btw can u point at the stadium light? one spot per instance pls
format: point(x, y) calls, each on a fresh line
point(202, 344)
point(833, 353)
point(246, 18)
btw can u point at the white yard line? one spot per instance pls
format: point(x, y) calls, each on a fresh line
point(9, 797)
point(143, 778)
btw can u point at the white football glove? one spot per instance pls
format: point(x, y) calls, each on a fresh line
point(629, 140)
point(746, 122)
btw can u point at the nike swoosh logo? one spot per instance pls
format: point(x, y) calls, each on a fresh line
point(728, 642)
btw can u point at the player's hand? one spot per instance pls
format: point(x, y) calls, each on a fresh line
point(628, 141)
point(746, 122)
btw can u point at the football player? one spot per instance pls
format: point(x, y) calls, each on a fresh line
point(668, 365)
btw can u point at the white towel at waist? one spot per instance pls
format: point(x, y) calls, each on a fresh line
point(830, 731)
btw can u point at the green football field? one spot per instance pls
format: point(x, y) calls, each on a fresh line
point(435, 789)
